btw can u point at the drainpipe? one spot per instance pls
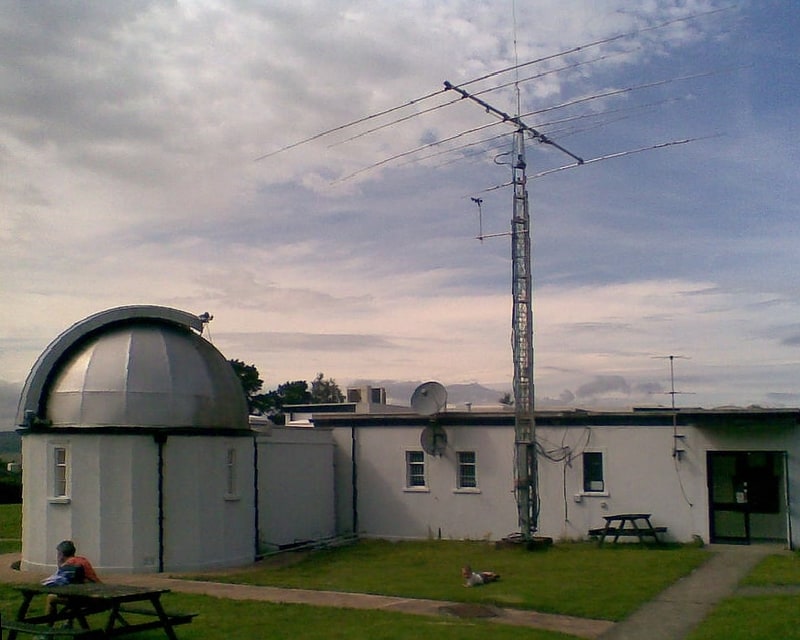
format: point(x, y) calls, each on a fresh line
point(161, 440)
point(354, 476)
point(256, 542)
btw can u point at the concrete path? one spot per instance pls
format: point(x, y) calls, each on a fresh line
point(669, 616)
point(673, 613)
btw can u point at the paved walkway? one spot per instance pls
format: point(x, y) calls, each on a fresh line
point(673, 613)
point(669, 616)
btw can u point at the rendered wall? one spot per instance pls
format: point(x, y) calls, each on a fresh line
point(102, 503)
point(386, 508)
point(295, 486)
point(642, 476)
point(112, 510)
point(205, 527)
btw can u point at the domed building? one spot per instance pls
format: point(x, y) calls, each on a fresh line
point(136, 445)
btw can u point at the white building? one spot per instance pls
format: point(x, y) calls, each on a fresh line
point(718, 475)
point(137, 445)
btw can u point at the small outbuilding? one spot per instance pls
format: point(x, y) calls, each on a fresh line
point(136, 444)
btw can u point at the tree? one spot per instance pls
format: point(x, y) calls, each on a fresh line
point(295, 392)
point(257, 403)
point(323, 390)
point(506, 400)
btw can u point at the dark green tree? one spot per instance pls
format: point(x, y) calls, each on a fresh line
point(290, 392)
point(325, 390)
point(257, 403)
point(295, 392)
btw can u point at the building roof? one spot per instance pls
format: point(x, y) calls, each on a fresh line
point(708, 418)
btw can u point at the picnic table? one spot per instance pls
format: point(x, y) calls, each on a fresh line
point(628, 524)
point(129, 609)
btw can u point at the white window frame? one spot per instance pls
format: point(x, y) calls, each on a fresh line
point(60, 473)
point(409, 463)
point(461, 464)
point(603, 491)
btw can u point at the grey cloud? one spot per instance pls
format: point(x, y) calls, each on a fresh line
point(649, 388)
point(792, 340)
point(235, 293)
point(564, 399)
point(602, 385)
point(284, 341)
point(593, 327)
point(783, 399)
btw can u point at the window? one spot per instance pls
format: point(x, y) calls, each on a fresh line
point(60, 476)
point(593, 472)
point(415, 469)
point(230, 468)
point(467, 470)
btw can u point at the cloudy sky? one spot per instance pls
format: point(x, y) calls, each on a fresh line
point(137, 166)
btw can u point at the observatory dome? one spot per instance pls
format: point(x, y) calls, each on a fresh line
point(139, 370)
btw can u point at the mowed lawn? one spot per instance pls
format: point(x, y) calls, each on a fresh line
point(576, 579)
point(221, 619)
point(775, 613)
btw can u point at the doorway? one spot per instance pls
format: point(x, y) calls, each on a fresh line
point(747, 496)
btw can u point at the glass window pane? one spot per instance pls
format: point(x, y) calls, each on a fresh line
point(59, 472)
point(415, 469)
point(467, 470)
point(593, 471)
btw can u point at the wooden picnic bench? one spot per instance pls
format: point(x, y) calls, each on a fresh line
point(628, 525)
point(130, 609)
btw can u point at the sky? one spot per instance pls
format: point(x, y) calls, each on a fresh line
point(202, 155)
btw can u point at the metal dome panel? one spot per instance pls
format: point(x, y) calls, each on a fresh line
point(141, 370)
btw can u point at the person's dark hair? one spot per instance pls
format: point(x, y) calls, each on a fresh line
point(67, 548)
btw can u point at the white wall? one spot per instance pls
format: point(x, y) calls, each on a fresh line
point(101, 509)
point(386, 508)
point(112, 510)
point(642, 476)
point(295, 486)
point(204, 526)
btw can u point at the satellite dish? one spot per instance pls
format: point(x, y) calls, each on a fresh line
point(433, 440)
point(429, 398)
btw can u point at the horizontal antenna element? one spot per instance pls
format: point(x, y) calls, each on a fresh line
point(521, 126)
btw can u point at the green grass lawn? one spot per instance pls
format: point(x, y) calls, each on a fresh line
point(574, 579)
point(759, 617)
point(10, 521)
point(221, 619)
point(752, 618)
point(10, 528)
point(781, 569)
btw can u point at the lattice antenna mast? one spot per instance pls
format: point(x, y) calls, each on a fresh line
point(526, 471)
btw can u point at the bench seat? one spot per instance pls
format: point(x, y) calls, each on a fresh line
point(47, 631)
point(174, 617)
point(627, 532)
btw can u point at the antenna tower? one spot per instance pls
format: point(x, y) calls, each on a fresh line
point(525, 471)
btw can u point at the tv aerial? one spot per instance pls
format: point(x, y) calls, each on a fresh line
point(430, 399)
